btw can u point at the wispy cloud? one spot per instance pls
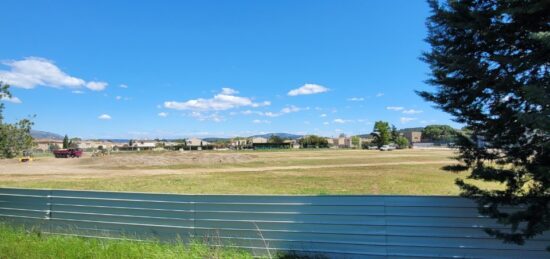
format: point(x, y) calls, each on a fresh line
point(96, 86)
point(224, 100)
point(31, 72)
point(77, 92)
point(205, 116)
point(261, 121)
point(123, 86)
point(308, 89)
point(341, 121)
point(394, 108)
point(104, 117)
point(379, 94)
point(412, 111)
point(356, 99)
point(290, 109)
point(405, 120)
point(323, 115)
point(286, 110)
point(12, 99)
point(162, 114)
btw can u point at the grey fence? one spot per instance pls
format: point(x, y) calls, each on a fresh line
point(336, 226)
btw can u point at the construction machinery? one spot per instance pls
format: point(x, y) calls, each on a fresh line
point(27, 157)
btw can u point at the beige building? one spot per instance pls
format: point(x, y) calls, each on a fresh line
point(413, 136)
point(43, 145)
point(91, 144)
point(340, 142)
point(259, 140)
point(196, 142)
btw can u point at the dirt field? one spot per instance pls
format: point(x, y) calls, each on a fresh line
point(292, 172)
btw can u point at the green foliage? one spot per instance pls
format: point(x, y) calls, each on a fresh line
point(14, 138)
point(356, 141)
point(66, 142)
point(313, 141)
point(4, 93)
point(53, 147)
point(275, 140)
point(394, 133)
point(382, 133)
point(439, 133)
point(402, 142)
point(491, 69)
point(70, 142)
point(17, 243)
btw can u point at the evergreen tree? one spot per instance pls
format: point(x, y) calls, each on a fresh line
point(490, 64)
point(66, 142)
point(394, 133)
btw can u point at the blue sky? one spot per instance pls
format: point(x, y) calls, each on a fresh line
point(147, 69)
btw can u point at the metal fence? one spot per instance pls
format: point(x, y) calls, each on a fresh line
point(336, 226)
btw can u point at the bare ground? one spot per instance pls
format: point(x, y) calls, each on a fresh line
point(143, 164)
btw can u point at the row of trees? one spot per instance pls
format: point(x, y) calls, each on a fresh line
point(439, 133)
point(313, 141)
point(14, 138)
point(384, 134)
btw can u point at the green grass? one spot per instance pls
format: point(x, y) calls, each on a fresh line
point(428, 179)
point(16, 243)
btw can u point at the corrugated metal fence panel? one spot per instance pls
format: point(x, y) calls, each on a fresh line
point(338, 226)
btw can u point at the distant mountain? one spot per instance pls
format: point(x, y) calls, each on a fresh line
point(280, 135)
point(114, 140)
point(45, 135)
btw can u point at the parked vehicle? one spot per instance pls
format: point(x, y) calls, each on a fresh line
point(66, 153)
point(387, 148)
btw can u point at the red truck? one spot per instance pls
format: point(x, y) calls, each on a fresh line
point(66, 153)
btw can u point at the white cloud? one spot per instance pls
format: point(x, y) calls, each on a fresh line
point(229, 91)
point(308, 89)
point(341, 121)
point(31, 72)
point(394, 108)
point(379, 94)
point(225, 100)
point(271, 114)
point(323, 115)
point(285, 110)
point(326, 123)
point(104, 117)
point(163, 114)
point(123, 86)
point(77, 92)
point(207, 116)
point(356, 99)
point(406, 119)
point(412, 111)
point(118, 97)
point(96, 86)
point(261, 121)
point(12, 99)
point(290, 109)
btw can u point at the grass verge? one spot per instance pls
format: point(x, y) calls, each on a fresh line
point(17, 243)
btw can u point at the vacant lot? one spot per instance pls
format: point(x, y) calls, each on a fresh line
point(247, 172)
